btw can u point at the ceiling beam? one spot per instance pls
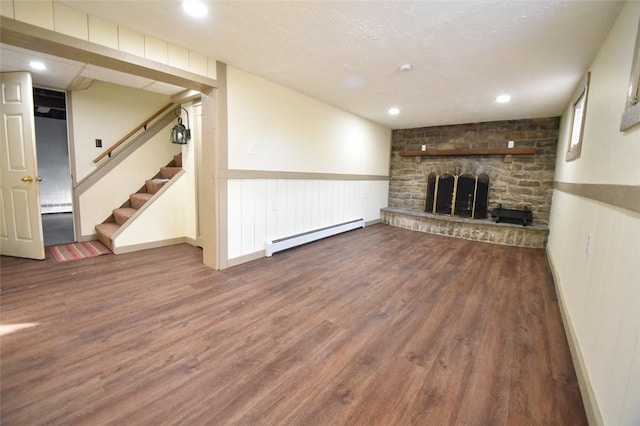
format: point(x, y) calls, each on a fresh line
point(39, 39)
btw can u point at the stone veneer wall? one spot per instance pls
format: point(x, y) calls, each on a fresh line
point(515, 181)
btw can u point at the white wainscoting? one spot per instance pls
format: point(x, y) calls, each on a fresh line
point(266, 209)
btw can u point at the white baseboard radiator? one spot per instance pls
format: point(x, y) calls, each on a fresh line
point(310, 236)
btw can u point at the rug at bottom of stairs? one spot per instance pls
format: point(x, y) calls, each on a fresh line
point(77, 251)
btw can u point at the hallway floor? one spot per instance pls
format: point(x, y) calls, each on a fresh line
point(57, 228)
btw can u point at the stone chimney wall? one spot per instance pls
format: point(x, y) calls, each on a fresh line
point(515, 181)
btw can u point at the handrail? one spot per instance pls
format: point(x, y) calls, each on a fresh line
point(142, 125)
point(120, 155)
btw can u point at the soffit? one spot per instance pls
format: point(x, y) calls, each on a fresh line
point(67, 74)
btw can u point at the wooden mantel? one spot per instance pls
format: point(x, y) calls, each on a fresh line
point(470, 151)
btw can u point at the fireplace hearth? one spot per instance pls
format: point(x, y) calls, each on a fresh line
point(533, 235)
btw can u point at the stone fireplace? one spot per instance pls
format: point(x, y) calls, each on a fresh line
point(461, 157)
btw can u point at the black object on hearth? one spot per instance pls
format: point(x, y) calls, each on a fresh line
point(522, 217)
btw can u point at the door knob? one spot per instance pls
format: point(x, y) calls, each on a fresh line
point(39, 178)
point(27, 179)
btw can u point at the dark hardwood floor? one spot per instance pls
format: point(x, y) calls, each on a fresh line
point(380, 326)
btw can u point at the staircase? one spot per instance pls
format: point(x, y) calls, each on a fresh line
point(121, 215)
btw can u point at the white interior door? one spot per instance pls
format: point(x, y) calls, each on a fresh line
point(20, 221)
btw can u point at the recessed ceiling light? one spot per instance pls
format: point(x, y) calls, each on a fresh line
point(394, 111)
point(503, 99)
point(37, 65)
point(195, 8)
point(406, 67)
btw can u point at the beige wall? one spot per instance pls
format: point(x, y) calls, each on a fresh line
point(608, 155)
point(600, 286)
point(106, 111)
point(313, 165)
point(294, 132)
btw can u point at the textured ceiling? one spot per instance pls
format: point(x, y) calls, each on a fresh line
point(348, 53)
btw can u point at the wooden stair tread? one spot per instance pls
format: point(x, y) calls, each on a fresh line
point(141, 195)
point(104, 232)
point(169, 172)
point(108, 227)
point(139, 199)
point(123, 214)
point(154, 185)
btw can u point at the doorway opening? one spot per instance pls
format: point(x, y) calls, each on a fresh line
point(52, 145)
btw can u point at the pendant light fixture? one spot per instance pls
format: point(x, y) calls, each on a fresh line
point(180, 134)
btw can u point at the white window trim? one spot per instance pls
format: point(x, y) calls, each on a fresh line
point(574, 148)
point(631, 114)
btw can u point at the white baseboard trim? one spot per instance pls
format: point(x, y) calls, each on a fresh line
point(291, 241)
point(153, 244)
point(245, 258)
point(594, 417)
point(193, 241)
point(260, 254)
point(85, 238)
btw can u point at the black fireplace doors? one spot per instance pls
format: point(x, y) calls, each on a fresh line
point(464, 195)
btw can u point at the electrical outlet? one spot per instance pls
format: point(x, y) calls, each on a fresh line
point(251, 149)
point(424, 147)
point(511, 144)
point(98, 143)
point(587, 248)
